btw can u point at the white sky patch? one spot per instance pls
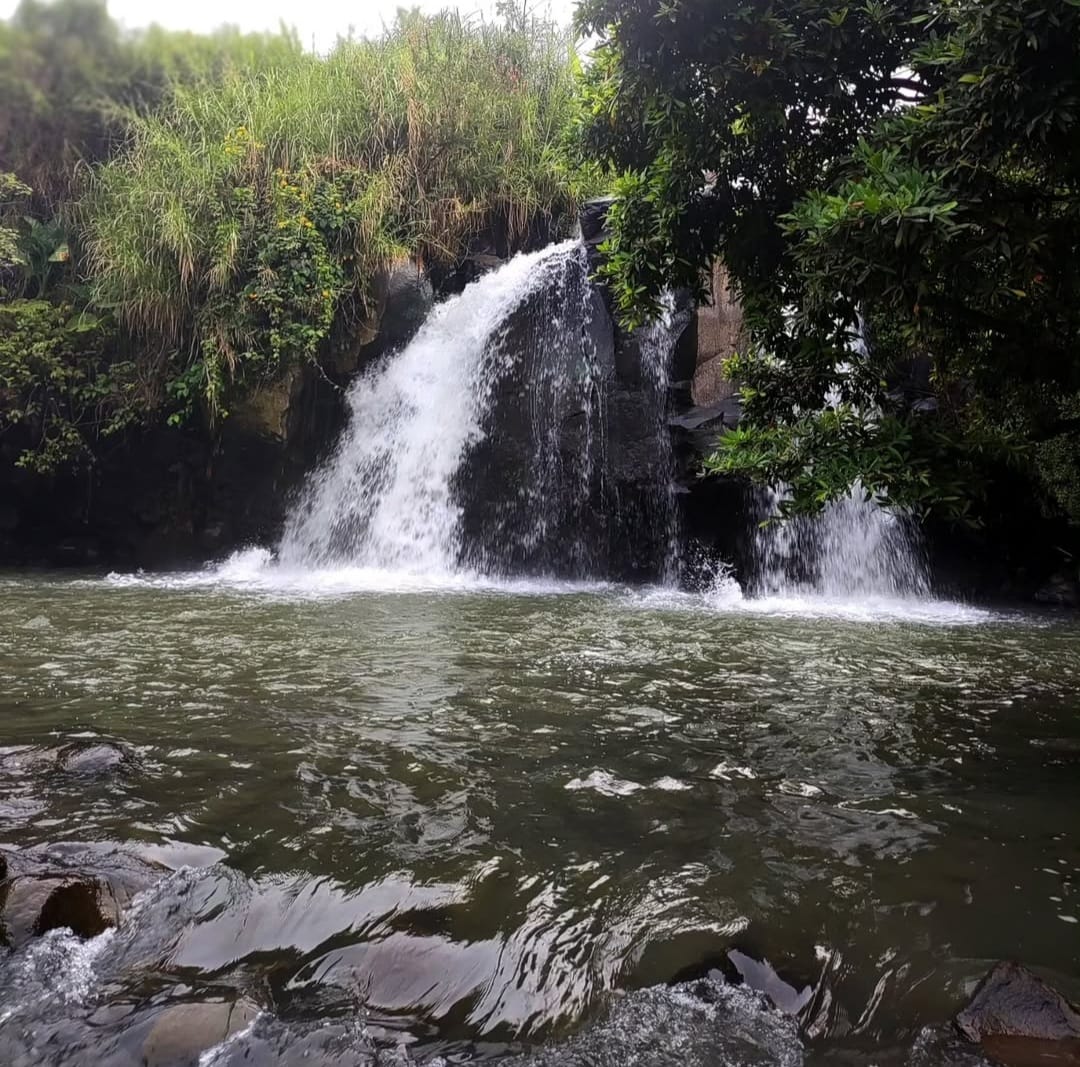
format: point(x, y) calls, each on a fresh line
point(318, 22)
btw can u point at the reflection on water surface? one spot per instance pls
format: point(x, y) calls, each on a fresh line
point(456, 821)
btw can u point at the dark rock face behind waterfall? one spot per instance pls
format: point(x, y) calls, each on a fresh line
point(574, 474)
point(171, 496)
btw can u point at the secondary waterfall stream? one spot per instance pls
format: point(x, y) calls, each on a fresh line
point(854, 549)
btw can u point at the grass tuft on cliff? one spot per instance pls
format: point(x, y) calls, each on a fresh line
point(247, 215)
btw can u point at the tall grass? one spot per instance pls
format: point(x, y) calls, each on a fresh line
point(411, 142)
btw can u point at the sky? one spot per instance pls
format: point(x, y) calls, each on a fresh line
point(318, 21)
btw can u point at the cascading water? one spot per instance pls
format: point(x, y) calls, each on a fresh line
point(853, 550)
point(482, 445)
point(534, 487)
point(385, 499)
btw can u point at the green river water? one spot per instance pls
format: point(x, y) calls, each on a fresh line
point(484, 823)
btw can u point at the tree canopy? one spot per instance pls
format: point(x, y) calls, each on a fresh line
point(893, 188)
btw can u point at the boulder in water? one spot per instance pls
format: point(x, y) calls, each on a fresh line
point(33, 906)
point(80, 888)
point(1021, 1020)
point(183, 1032)
point(93, 757)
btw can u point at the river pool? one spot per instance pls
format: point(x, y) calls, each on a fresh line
point(481, 822)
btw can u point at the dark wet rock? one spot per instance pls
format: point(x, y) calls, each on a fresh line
point(405, 299)
point(182, 1032)
point(1021, 1020)
point(77, 887)
point(1062, 590)
point(273, 1042)
point(593, 218)
point(94, 757)
point(33, 906)
point(87, 908)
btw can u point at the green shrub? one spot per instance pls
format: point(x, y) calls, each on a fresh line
point(249, 216)
point(59, 390)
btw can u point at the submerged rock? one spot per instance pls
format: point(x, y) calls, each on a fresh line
point(80, 888)
point(183, 1032)
point(93, 757)
point(1020, 1020)
point(84, 756)
point(1031, 1052)
point(33, 906)
point(1061, 589)
point(940, 1046)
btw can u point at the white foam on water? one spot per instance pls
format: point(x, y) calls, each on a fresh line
point(726, 771)
point(57, 966)
point(255, 570)
point(868, 609)
point(605, 783)
point(728, 598)
point(670, 785)
point(799, 789)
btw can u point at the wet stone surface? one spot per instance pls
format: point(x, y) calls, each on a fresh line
point(77, 887)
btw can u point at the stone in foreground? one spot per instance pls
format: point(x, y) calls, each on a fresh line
point(1020, 1020)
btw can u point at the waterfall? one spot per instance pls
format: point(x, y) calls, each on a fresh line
point(853, 550)
point(482, 447)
